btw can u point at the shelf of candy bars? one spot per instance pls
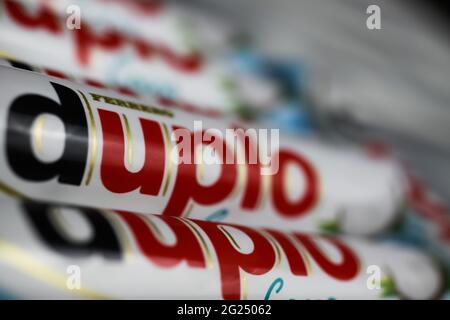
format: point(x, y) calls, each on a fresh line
point(140, 159)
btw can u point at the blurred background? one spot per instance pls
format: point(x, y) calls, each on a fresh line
point(391, 83)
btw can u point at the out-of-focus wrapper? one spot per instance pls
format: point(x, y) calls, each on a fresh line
point(67, 252)
point(427, 222)
point(291, 119)
point(124, 90)
point(158, 22)
point(156, 62)
point(82, 145)
point(183, 27)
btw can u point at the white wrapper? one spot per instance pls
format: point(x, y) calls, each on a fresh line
point(81, 145)
point(55, 252)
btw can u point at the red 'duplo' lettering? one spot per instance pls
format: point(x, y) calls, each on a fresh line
point(86, 39)
point(311, 195)
point(188, 188)
point(45, 18)
point(345, 270)
point(260, 261)
point(186, 247)
point(230, 259)
point(115, 176)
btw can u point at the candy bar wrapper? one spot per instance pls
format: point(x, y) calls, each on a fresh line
point(154, 64)
point(70, 252)
point(82, 145)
